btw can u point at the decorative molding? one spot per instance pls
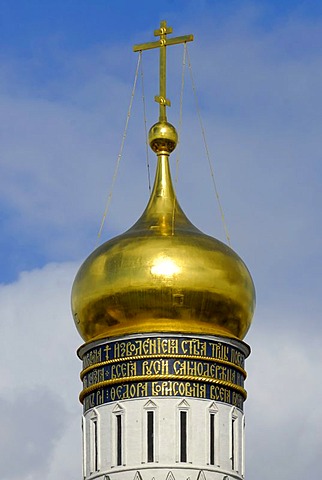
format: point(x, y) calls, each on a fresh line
point(150, 405)
point(184, 405)
point(118, 409)
point(137, 476)
point(170, 476)
point(234, 413)
point(93, 414)
point(213, 408)
point(201, 475)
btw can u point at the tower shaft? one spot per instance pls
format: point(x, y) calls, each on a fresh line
point(163, 407)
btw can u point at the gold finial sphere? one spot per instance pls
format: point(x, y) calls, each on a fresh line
point(163, 138)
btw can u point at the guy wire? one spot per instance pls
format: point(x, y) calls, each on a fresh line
point(145, 126)
point(109, 198)
point(207, 152)
point(179, 131)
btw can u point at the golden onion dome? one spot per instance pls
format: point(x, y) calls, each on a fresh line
point(163, 274)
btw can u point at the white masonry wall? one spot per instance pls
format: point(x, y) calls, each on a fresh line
point(100, 434)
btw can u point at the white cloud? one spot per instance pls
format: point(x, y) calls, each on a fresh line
point(39, 377)
point(283, 415)
point(33, 421)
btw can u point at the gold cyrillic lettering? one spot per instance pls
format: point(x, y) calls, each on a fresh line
point(220, 351)
point(173, 346)
point(126, 369)
point(92, 357)
point(89, 401)
point(237, 357)
point(220, 393)
point(237, 400)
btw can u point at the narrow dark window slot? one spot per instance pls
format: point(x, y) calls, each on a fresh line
point(212, 439)
point(150, 436)
point(183, 436)
point(233, 440)
point(119, 439)
point(95, 449)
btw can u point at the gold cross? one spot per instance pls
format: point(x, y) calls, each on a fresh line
point(162, 44)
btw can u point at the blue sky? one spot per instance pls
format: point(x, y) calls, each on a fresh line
point(80, 24)
point(66, 73)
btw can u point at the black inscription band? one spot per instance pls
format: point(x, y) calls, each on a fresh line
point(164, 346)
point(163, 366)
point(167, 388)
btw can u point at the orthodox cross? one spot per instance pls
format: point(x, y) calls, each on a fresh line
point(162, 44)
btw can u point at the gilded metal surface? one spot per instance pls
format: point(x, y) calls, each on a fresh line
point(163, 138)
point(167, 355)
point(163, 31)
point(163, 275)
point(151, 378)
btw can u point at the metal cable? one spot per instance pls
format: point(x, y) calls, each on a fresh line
point(145, 127)
point(109, 198)
point(207, 151)
point(179, 130)
point(180, 109)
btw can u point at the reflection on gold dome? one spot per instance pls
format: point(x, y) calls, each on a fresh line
point(164, 266)
point(163, 274)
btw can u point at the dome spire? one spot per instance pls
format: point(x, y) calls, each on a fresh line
point(163, 274)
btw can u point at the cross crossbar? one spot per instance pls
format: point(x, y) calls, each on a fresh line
point(162, 44)
point(158, 43)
